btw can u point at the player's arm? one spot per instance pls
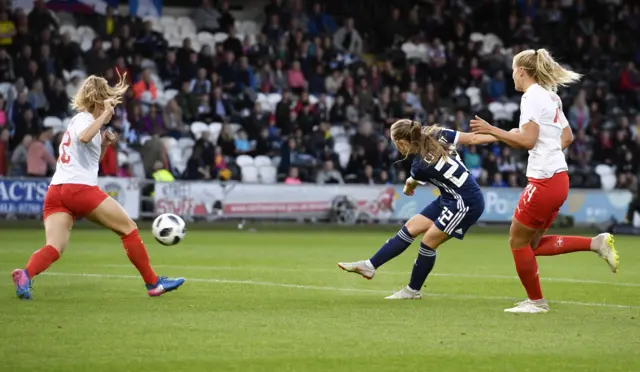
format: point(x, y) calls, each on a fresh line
point(475, 138)
point(567, 137)
point(525, 138)
point(87, 134)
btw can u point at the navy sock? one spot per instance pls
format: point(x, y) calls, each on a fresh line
point(392, 247)
point(422, 267)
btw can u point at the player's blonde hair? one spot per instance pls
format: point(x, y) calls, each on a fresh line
point(95, 90)
point(544, 69)
point(422, 140)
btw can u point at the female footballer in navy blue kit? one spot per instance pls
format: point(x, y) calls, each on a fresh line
point(459, 206)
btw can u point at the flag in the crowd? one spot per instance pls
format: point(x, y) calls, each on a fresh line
point(145, 8)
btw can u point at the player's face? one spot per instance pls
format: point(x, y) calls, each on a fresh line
point(402, 146)
point(517, 71)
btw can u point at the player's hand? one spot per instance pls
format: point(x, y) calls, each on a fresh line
point(108, 138)
point(515, 130)
point(410, 187)
point(480, 126)
point(109, 108)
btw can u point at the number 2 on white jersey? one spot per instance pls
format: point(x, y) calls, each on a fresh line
point(64, 146)
point(453, 166)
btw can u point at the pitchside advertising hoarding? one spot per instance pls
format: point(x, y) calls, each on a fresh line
point(373, 202)
point(26, 196)
point(237, 200)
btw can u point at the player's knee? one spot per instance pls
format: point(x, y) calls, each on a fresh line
point(127, 227)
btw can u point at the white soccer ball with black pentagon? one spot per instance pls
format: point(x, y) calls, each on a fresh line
point(168, 229)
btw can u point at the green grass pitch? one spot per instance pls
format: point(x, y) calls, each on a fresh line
point(275, 301)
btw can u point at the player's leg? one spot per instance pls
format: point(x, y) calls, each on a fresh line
point(552, 245)
point(534, 209)
point(110, 214)
point(423, 264)
point(57, 224)
point(392, 248)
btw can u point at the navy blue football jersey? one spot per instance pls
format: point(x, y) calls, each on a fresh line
point(448, 174)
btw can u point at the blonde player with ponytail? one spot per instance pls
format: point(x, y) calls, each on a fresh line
point(74, 191)
point(545, 132)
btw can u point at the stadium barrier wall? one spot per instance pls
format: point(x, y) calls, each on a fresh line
point(341, 203)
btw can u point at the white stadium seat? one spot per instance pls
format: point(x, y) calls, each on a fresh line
point(268, 174)
point(197, 127)
point(52, 122)
point(169, 143)
point(262, 161)
point(245, 161)
point(185, 142)
point(220, 37)
point(235, 127)
point(249, 174)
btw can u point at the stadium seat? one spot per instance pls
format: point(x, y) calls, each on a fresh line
point(71, 30)
point(268, 174)
point(4, 89)
point(274, 99)
point(197, 128)
point(249, 174)
point(86, 31)
point(276, 161)
point(172, 32)
point(215, 129)
point(220, 37)
point(342, 146)
point(476, 37)
point(169, 143)
point(52, 122)
point(474, 95)
point(329, 100)
point(168, 20)
point(343, 157)
point(262, 161)
point(185, 142)
point(498, 111)
point(235, 127)
point(245, 160)
point(313, 99)
point(144, 139)
point(337, 131)
point(205, 37)
point(85, 45)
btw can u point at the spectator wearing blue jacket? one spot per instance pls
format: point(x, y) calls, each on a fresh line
point(320, 22)
point(497, 87)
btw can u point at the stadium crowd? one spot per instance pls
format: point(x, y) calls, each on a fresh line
point(316, 88)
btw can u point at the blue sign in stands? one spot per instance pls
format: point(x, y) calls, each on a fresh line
point(22, 196)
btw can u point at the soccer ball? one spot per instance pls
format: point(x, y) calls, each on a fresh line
point(168, 229)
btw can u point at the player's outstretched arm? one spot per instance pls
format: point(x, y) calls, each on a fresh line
point(525, 138)
point(475, 138)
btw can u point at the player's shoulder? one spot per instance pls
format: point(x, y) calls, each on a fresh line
point(82, 117)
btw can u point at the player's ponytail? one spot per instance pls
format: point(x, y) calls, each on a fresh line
point(541, 66)
point(95, 90)
point(422, 141)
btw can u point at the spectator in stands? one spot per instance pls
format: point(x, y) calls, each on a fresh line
point(367, 176)
point(473, 162)
point(579, 113)
point(4, 151)
point(41, 18)
point(226, 140)
point(106, 26)
point(220, 165)
point(173, 121)
point(152, 122)
point(7, 30)
point(207, 17)
point(197, 169)
point(170, 71)
point(6, 67)
point(200, 84)
point(329, 174)
point(232, 43)
point(37, 99)
point(145, 87)
point(58, 100)
point(228, 74)
point(161, 173)
point(187, 102)
point(320, 23)
point(347, 39)
point(152, 152)
point(497, 86)
point(273, 29)
point(19, 157)
point(294, 177)
point(39, 160)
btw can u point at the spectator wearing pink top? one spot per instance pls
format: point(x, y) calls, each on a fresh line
point(38, 158)
point(293, 178)
point(296, 78)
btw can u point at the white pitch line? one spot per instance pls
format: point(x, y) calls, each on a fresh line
point(337, 289)
point(451, 275)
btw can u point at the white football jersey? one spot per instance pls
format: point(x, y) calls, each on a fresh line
point(78, 162)
point(545, 108)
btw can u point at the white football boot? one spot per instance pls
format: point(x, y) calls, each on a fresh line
point(529, 307)
point(405, 293)
point(364, 268)
point(604, 247)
